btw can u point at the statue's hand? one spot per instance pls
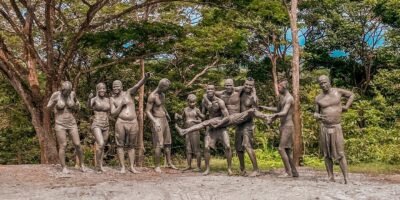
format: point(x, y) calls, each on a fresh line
point(344, 108)
point(91, 95)
point(176, 116)
point(319, 116)
point(157, 126)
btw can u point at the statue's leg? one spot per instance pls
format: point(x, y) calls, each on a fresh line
point(195, 141)
point(193, 128)
point(133, 133)
point(120, 140)
point(99, 147)
point(61, 134)
point(239, 148)
point(247, 143)
point(188, 151)
point(207, 145)
point(289, 154)
point(167, 142)
point(343, 167)
point(228, 150)
point(77, 143)
point(106, 134)
point(285, 160)
point(329, 169)
point(286, 141)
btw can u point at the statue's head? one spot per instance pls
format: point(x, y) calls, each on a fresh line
point(249, 85)
point(117, 86)
point(210, 90)
point(283, 86)
point(324, 83)
point(66, 88)
point(163, 85)
point(101, 89)
point(229, 85)
point(192, 99)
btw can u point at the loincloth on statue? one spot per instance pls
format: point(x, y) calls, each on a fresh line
point(163, 136)
point(213, 135)
point(244, 136)
point(286, 136)
point(332, 141)
point(126, 133)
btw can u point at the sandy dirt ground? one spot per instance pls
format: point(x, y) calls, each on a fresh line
point(46, 182)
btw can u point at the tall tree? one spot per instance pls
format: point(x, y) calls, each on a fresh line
point(39, 45)
point(298, 144)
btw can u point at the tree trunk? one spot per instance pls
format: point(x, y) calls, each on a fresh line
point(297, 146)
point(275, 77)
point(140, 145)
point(42, 125)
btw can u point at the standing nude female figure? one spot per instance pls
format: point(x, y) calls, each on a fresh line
point(64, 103)
point(100, 125)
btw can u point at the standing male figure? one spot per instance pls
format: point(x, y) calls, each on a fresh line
point(244, 131)
point(158, 115)
point(216, 109)
point(284, 111)
point(328, 111)
point(126, 126)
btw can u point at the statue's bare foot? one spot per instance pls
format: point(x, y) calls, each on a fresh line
point(230, 173)
point(243, 173)
point(133, 170)
point(77, 166)
point(101, 169)
point(207, 172)
point(158, 170)
point(295, 174)
point(254, 173)
point(123, 171)
point(65, 170)
point(172, 166)
point(187, 168)
point(331, 179)
point(197, 170)
point(285, 175)
point(345, 181)
point(83, 168)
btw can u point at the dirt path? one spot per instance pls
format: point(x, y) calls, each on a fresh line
point(45, 182)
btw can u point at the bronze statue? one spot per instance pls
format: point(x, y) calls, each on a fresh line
point(244, 131)
point(100, 124)
point(284, 112)
point(126, 126)
point(159, 117)
point(216, 109)
point(65, 103)
point(328, 111)
point(192, 115)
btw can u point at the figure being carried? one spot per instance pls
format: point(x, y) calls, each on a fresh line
point(126, 126)
point(284, 112)
point(328, 111)
point(191, 116)
point(159, 117)
point(100, 104)
point(65, 104)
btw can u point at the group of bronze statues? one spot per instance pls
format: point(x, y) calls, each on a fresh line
point(234, 107)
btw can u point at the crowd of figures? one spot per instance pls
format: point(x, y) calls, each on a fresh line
point(233, 107)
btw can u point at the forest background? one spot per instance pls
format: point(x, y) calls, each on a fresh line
point(194, 43)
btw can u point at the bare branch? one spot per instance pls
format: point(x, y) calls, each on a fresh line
point(212, 65)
